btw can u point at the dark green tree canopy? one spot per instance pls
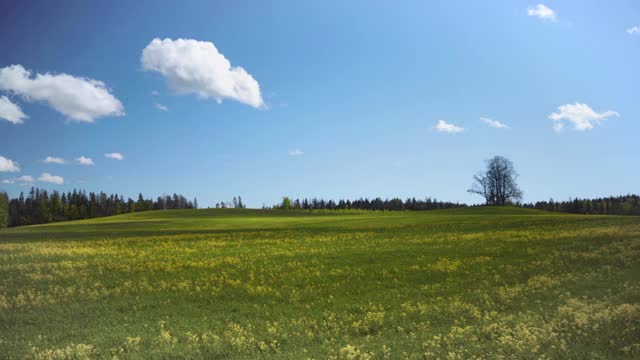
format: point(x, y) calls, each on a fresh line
point(4, 210)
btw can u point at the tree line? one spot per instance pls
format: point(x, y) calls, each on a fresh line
point(612, 205)
point(377, 204)
point(237, 204)
point(41, 207)
point(4, 210)
point(497, 185)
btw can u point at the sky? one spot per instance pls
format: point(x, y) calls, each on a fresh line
point(327, 99)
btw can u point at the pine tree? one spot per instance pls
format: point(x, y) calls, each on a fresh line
point(4, 210)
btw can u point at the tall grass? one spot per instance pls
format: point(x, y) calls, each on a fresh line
point(456, 284)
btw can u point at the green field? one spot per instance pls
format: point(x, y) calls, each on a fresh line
point(453, 284)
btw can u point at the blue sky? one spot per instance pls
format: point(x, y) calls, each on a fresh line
point(337, 99)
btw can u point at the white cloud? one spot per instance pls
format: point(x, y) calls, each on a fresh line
point(25, 179)
point(53, 160)
point(444, 126)
point(80, 99)
point(21, 180)
point(296, 152)
point(52, 179)
point(155, 93)
point(580, 116)
point(84, 161)
point(7, 165)
point(115, 156)
point(634, 30)
point(193, 66)
point(160, 107)
point(494, 123)
point(10, 111)
point(543, 12)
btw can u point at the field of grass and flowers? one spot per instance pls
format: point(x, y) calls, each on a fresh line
point(454, 284)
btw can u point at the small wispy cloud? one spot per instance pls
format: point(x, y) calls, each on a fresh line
point(296, 152)
point(53, 160)
point(51, 179)
point(543, 12)
point(20, 180)
point(155, 93)
point(10, 111)
point(635, 30)
point(446, 127)
point(580, 116)
point(160, 107)
point(82, 160)
point(494, 123)
point(25, 179)
point(114, 156)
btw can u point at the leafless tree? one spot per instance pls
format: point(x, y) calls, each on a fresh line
point(498, 183)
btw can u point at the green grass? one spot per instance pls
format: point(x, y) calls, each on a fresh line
point(462, 283)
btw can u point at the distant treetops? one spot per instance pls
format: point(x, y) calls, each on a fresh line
point(496, 184)
point(4, 210)
point(365, 204)
point(41, 207)
point(612, 205)
point(236, 204)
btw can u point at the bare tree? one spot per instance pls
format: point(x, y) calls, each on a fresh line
point(498, 183)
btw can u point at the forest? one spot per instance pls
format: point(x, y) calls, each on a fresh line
point(41, 207)
point(377, 204)
point(612, 205)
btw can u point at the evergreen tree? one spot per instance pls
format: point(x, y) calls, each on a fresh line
point(4, 210)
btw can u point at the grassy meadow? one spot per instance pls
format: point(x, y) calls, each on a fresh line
point(454, 284)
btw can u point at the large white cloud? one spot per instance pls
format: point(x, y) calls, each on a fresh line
point(7, 165)
point(193, 66)
point(52, 179)
point(580, 116)
point(10, 111)
point(543, 12)
point(80, 99)
point(444, 126)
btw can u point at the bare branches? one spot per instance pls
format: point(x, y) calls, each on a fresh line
point(498, 183)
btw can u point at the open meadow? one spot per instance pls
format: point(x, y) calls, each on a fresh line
point(453, 284)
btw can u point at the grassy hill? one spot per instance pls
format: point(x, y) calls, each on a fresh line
point(459, 283)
